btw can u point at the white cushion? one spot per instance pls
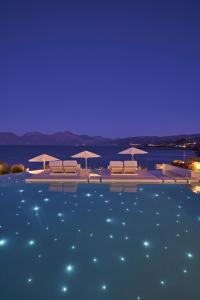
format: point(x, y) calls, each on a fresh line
point(116, 163)
point(55, 163)
point(70, 163)
point(130, 163)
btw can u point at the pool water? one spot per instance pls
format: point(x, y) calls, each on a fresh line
point(98, 241)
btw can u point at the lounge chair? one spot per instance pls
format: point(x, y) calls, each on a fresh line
point(130, 166)
point(116, 167)
point(56, 166)
point(71, 166)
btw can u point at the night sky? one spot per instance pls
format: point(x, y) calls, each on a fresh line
point(111, 68)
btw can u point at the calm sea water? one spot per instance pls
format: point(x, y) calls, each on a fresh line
point(95, 242)
point(21, 154)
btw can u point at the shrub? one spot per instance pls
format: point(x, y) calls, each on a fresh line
point(190, 163)
point(179, 163)
point(4, 168)
point(18, 168)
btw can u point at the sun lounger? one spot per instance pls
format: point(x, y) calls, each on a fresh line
point(130, 167)
point(56, 166)
point(71, 166)
point(116, 167)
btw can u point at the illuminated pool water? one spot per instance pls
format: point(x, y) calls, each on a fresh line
point(99, 242)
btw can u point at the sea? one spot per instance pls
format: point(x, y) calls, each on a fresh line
point(22, 154)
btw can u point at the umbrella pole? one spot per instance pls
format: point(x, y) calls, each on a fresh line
point(86, 163)
point(44, 165)
point(132, 156)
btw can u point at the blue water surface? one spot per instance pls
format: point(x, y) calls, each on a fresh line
point(21, 154)
point(98, 241)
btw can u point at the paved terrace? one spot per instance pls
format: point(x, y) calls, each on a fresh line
point(142, 176)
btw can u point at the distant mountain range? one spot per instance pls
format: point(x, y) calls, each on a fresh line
point(69, 138)
point(59, 138)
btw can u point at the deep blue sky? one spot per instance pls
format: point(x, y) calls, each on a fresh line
point(111, 68)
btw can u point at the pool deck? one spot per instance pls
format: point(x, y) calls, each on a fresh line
point(142, 176)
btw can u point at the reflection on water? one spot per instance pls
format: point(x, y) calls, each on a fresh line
point(126, 188)
point(73, 188)
point(195, 187)
point(114, 188)
point(66, 188)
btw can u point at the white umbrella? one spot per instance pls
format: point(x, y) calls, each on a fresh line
point(86, 155)
point(132, 151)
point(43, 158)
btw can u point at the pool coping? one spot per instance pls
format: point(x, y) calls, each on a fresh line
point(143, 177)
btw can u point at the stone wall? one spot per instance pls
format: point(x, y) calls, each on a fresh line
point(169, 169)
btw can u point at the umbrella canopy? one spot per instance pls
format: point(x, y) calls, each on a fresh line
point(43, 158)
point(132, 151)
point(85, 155)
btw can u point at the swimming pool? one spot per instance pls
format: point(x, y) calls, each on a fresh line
point(98, 241)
